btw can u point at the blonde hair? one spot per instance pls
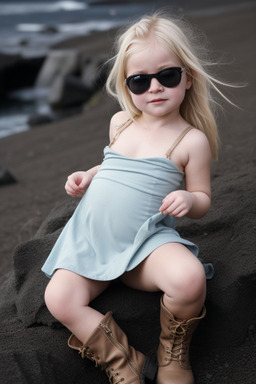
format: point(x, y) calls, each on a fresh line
point(198, 105)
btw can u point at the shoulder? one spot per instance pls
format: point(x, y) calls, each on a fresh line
point(197, 145)
point(119, 118)
point(116, 120)
point(197, 139)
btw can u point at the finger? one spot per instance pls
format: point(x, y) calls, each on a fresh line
point(167, 211)
point(168, 206)
point(174, 209)
point(71, 191)
point(68, 188)
point(180, 211)
point(73, 183)
point(72, 194)
point(165, 205)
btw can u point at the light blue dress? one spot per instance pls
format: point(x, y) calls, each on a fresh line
point(117, 223)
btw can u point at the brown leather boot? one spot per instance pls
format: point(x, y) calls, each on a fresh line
point(173, 350)
point(108, 347)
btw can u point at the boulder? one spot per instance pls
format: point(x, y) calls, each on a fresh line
point(71, 77)
point(68, 91)
point(38, 344)
point(58, 63)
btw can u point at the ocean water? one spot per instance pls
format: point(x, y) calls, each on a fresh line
point(30, 27)
point(31, 22)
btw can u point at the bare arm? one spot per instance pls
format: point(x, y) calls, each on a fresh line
point(77, 182)
point(195, 201)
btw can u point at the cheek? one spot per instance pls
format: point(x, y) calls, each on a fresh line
point(137, 100)
point(182, 95)
point(183, 88)
point(177, 96)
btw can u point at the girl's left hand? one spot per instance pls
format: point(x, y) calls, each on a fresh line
point(177, 203)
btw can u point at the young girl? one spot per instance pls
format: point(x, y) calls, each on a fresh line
point(124, 225)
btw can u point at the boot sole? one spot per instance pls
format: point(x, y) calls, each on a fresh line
point(149, 371)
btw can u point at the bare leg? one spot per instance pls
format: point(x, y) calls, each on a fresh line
point(173, 269)
point(67, 297)
point(95, 336)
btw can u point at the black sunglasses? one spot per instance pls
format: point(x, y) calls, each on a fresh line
point(168, 77)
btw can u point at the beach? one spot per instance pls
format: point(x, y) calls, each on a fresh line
point(42, 158)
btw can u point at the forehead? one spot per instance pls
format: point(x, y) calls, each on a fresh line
point(149, 56)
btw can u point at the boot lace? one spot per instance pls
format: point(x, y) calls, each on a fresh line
point(113, 375)
point(85, 352)
point(178, 347)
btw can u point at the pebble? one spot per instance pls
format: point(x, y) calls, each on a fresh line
point(6, 177)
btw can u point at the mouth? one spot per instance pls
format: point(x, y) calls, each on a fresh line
point(159, 100)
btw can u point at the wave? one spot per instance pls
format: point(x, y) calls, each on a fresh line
point(25, 8)
point(18, 123)
point(26, 102)
point(74, 28)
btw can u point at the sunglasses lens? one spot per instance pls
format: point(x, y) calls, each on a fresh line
point(170, 77)
point(138, 84)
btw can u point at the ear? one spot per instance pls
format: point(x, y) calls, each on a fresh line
point(189, 81)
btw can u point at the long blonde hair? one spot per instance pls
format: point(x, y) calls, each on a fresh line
point(198, 106)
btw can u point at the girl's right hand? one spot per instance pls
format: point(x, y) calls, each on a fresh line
point(77, 183)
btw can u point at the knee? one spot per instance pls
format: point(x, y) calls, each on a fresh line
point(189, 284)
point(58, 299)
point(194, 283)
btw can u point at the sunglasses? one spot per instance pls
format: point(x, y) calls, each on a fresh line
point(168, 77)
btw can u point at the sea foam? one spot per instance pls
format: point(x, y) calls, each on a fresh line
point(44, 7)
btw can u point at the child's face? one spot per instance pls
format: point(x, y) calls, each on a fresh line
point(158, 100)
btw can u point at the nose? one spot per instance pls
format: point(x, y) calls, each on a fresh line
point(155, 86)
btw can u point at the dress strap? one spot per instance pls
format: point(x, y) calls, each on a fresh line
point(177, 141)
point(120, 129)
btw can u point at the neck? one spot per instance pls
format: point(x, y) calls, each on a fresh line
point(154, 122)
